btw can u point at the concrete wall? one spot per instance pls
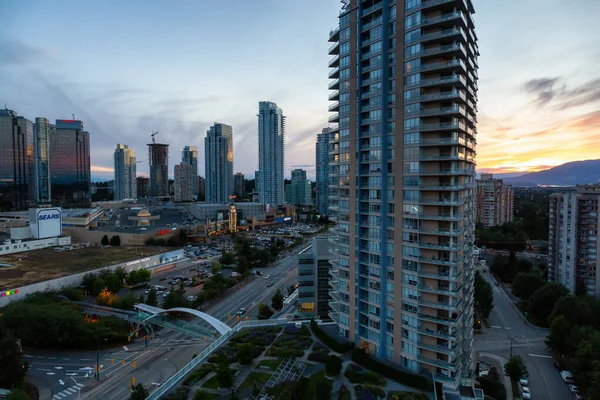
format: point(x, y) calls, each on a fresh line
point(37, 244)
point(152, 262)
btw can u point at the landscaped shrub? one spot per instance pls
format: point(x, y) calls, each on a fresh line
point(409, 396)
point(333, 365)
point(318, 356)
point(368, 392)
point(328, 340)
point(356, 374)
point(407, 378)
point(285, 352)
point(259, 337)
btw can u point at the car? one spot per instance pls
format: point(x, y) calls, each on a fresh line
point(267, 276)
point(269, 284)
point(165, 294)
point(242, 311)
point(577, 396)
point(574, 389)
point(191, 298)
point(523, 381)
point(525, 394)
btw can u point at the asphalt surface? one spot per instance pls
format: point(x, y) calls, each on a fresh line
point(64, 375)
point(506, 325)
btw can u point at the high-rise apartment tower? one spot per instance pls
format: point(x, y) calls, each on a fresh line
point(271, 149)
point(189, 155)
point(42, 130)
point(322, 164)
point(494, 201)
point(125, 173)
point(218, 159)
point(402, 165)
point(158, 155)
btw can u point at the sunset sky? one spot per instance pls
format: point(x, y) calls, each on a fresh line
point(128, 68)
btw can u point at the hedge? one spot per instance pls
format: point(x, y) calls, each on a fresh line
point(329, 341)
point(407, 378)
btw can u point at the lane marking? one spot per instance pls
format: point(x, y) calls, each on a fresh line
point(539, 355)
point(52, 358)
point(28, 356)
point(43, 369)
point(65, 359)
point(80, 385)
point(116, 394)
point(86, 359)
point(507, 327)
point(496, 327)
point(125, 348)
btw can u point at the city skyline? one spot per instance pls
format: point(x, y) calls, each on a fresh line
point(530, 95)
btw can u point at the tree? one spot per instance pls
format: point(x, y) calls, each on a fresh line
point(113, 283)
point(121, 273)
point(144, 275)
point(176, 298)
point(113, 241)
point(215, 267)
point(575, 310)
point(132, 278)
point(227, 258)
point(558, 338)
point(152, 299)
point(88, 282)
point(138, 392)
point(104, 241)
point(333, 365)
point(541, 303)
point(515, 368)
point(526, 283)
point(274, 251)
point(484, 296)
point(264, 311)
point(224, 375)
point(245, 351)
point(13, 368)
point(125, 302)
point(99, 284)
point(243, 265)
point(277, 300)
point(105, 297)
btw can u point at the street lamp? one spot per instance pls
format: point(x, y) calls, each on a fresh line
point(98, 359)
point(175, 365)
point(511, 342)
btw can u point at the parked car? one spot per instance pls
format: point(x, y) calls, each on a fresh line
point(523, 381)
point(574, 389)
point(267, 276)
point(566, 376)
point(191, 298)
point(525, 393)
point(242, 311)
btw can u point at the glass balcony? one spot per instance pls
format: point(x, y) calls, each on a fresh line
point(371, 24)
point(437, 348)
point(334, 48)
point(334, 85)
point(334, 35)
point(440, 65)
point(438, 320)
point(444, 291)
point(440, 50)
point(442, 19)
point(334, 118)
point(334, 62)
point(373, 8)
point(439, 304)
point(442, 96)
point(446, 80)
point(334, 73)
point(446, 33)
point(335, 106)
point(438, 363)
point(445, 172)
point(335, 95)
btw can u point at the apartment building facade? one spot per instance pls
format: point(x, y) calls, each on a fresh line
point(494, 201)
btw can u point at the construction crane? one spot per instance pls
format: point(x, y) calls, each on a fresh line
point(152, 135)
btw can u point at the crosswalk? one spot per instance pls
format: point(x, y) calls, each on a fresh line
point(67, 392)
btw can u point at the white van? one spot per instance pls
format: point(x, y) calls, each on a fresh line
point(567, 376)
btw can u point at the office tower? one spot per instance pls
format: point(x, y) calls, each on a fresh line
point(404, 86)
point(42, 130)
point(70, 164)
point(239, 184)
point(271, 142)
point(184, 182)
point(17, 189)
point(322, 164)
point(218, 158)
point(189, 155)
point(573, 259)
point(201, 188)
point(494, 201)
point(256, 187)
point(142, 187)
point(125, 184)
point(158, 155)
point(298, 191)
point(313, 280)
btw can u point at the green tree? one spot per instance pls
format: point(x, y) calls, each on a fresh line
point(18, 394)
point(224, 375)
point(125, 302)
point(132, 278)
point(243, 265)
point(121, 273)
point(227, 258)
point(515, 368)
point(176, 298)
point(144, 275)
point(99, 284)
point(138, 392)
point(113, 283)
point(484, 296)
point(558, 338)
point(274, 251)
point(13, 368)
point(245, 352)
point(152, 299)
point(264, 311)
point(526, 283)
point(113, 241)
point(88, 282)
point(575, 310)
point(117, 240)
point(333, 365)
point(277, 300)
point(242, 246)
point(541, 303)
point(104, 241)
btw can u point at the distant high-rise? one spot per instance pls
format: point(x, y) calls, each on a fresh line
point(42, 130)
point(189, 155)
point(183, 184)
point(573, 247)
point(70, 164)
point(201, 188)
point(322, 166)
point(494, 201)
point(142, 187)
point(239, 184)
point(404, 91)
point(158, 155)
point(298, 191)
point(125, 173)
point(17, 189)
point(218, 158)
point(256, 186)
point(271, 149)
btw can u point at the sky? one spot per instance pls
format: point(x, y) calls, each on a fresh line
point(129, 68)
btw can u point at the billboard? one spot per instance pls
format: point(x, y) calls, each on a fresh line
point(45, 222)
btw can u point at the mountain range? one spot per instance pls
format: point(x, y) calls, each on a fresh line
point(569, 174)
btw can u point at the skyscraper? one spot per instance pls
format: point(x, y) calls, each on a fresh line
point(299, 190)
point(142, 187)
point(183, 183)
point(573, 240)
point(70, 164)
point(494, 201)
point(125, 173)
point(158, 155)
point(17, 189)
point(239, 184)
point(42, 130)
point(218, 158)
point(322, 161)
point(271, 147)
point(201, 188)
point(405, 92)
point(189, 155)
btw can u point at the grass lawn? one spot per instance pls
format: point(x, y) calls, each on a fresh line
point(272, 364)
point(202, 395)
point(313, 382)
point(257, 377)
point(45, 264)
point(211, 383)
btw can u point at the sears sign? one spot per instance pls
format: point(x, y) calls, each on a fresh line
point(45, 222)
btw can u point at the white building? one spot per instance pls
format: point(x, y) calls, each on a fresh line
point(218, 159)
point(125, 173)
point(271, 153)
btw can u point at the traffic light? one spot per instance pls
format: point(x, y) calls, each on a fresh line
point(122, 362)
point(128, 338)
point(228, 316)
point(134, 364)
point(112, 361)
point(132, 381)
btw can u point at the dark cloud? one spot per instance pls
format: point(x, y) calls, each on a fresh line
point(302, 166)
point(546, 90)
point(542, 89)
point(16, 53)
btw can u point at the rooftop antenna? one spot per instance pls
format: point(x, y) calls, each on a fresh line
point(73, 115)
point(152, 135)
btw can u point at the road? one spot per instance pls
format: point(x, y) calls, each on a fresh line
point(507, 324)
point(155, 363)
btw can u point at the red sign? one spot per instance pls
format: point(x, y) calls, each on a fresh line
point(163, 231)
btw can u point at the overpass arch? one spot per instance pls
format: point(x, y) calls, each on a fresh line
point(221, 327)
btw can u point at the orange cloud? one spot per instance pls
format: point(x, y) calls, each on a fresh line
point(99, 168)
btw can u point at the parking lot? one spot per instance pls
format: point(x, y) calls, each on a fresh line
point(293, 229)
point(171, 218)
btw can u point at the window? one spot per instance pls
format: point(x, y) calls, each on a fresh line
point(345, 33)
point(411, 109)
point(375, 47)
point(412, 123)
point(344, 48)
point(412, 35)
point(411, 138)
point(412, 50)
point(344, 61)
point(410, 4)
point(413, 79)
point(393, 11)
point(410, 94)
point(412, 20)
point(344, 74)
point(412, 66)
